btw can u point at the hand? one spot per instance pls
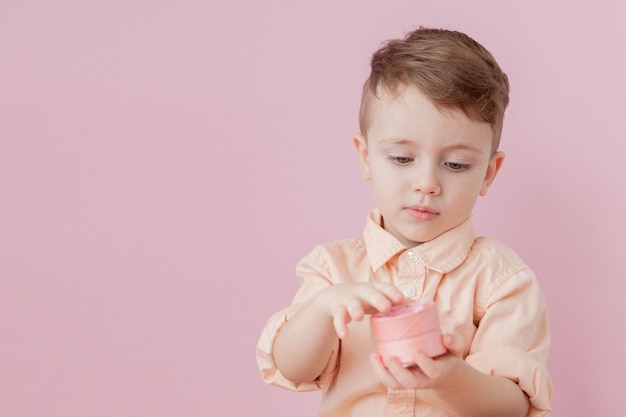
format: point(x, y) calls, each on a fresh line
point(351, 301)
point(426, 373)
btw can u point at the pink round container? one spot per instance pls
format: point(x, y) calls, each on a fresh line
point(406, 329)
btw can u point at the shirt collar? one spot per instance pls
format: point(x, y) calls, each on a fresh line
point(442, 254)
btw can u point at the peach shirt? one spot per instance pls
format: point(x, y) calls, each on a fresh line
point(485, 295)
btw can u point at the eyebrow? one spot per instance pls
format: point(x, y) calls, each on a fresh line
point(457, 146)
point(462, 147)
point(396, 141)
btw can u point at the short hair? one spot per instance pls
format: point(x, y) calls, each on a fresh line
point(448, 67)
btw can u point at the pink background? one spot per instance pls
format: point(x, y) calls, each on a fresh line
point(164, 165)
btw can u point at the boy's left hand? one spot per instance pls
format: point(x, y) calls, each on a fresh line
point(426, 373)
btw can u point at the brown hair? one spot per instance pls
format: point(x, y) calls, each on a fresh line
point(448, 67)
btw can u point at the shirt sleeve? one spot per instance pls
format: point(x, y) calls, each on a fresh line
point(513, 338)
point(313, 274)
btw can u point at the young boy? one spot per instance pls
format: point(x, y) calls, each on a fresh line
point(431, 118)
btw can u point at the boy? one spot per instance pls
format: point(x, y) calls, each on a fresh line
point(431, 118)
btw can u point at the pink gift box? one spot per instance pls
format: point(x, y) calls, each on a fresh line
point(406, 329)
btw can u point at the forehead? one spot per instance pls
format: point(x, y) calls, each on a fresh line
point(409, 115)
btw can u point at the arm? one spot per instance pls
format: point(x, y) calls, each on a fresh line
point(506, 362)
point(474, 393)
point(304, 344)
point(306, 341)
point(460, 388)
point(480, 394)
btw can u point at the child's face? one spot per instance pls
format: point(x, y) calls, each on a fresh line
point(427, 166)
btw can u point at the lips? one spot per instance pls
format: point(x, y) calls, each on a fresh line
point(421, 213)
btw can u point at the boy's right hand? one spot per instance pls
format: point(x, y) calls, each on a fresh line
point(352, 301)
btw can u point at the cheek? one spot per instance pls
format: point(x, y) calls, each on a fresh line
point(386, 190)
point(380, 187)
point(380, 176)
point(465, 193)
point(473, 184)
point(468, 197)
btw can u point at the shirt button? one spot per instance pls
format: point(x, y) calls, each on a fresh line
point(408, 291)
point(412, 255)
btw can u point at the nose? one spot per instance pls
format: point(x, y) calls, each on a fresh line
point(426, 180)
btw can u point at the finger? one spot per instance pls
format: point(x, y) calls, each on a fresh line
point(340, 323)
point(355, 310)
point(427, 365)
point(410, 377)
point(377, 300)
point(383, 373)
point(452, 344)
point(390, 291)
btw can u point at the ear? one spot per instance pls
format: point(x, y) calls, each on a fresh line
point(360, 143)
point(495, 163)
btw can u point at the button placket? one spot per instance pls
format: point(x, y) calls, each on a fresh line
point(408, 291)
point(409, 274)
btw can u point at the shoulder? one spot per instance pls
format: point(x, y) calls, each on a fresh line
point(337, 251)
point(498, 267)
point(335, 259)
point(495, 252)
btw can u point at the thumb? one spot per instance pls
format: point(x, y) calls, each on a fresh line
point(453, 344)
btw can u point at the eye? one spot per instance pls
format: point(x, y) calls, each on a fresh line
point(457, 166)
point(401, 160)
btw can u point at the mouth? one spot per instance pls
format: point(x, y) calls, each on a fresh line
point(422, 213)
